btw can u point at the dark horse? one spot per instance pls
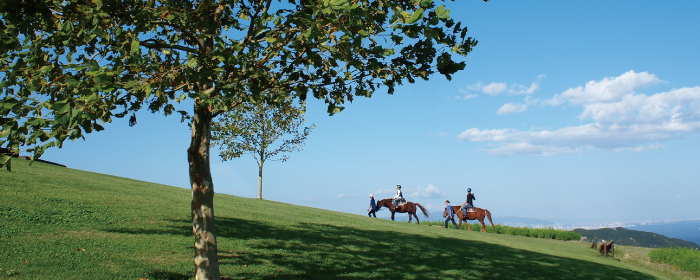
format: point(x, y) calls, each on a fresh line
point(409, 207)
point(479, 214)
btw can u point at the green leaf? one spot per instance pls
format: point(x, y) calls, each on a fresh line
point(61, 108)
point(432, 33)
point(243, 15)
point(417, 15)
point(102, 78)
point(147, 89)
point(135, 47)
point(97, 2)
point(442, 13)
point(5, 161)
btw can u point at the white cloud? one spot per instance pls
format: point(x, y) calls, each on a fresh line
point(476, 86)
point(606, 90)
point(498, 88)
point(467, 96)
point(623, 120)
point(385, 191)
point(639, 108)
point(521, 89)
point(429, 192)
point(477, 135)
point(509, 108)
point(639, 149)
point(343, 196)
point(495, 88)
point(442, 134)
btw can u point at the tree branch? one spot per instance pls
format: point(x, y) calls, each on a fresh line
point(153, 44)
point(184, 31)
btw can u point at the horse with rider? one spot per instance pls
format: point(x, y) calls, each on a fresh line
point(398, 204)
point(467, 212)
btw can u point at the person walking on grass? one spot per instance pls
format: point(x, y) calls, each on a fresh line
point(450, 214)
point(468, 204)
point(372, 207)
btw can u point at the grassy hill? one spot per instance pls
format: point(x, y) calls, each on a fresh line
point(630, 237)
point(60, 223)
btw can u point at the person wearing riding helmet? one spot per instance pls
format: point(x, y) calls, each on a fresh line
point(398, 197)
point(468, 204)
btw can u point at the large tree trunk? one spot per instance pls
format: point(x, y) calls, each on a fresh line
point(205, 249)
point(260, 168)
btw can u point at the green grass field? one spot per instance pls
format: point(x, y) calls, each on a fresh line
point(59, 223)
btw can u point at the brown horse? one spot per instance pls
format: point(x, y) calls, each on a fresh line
point(409, 207)
point(479, 214)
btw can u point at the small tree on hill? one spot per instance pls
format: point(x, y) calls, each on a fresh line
point(256, 129)
point(68, 66)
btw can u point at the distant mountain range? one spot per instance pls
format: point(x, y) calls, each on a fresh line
point(687, 230)
point(627, 237)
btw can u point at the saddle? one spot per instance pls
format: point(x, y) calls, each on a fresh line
point(402, 202)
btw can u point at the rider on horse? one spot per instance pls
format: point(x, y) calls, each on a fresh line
point(468, 204)
point(398, 198)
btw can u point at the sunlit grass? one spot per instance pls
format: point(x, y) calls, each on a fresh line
point(58, 223)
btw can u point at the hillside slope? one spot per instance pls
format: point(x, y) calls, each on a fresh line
point(60, 223)
point(630, 237)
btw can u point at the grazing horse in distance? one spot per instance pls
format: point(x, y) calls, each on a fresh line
point(478, 214)
point(409, 207)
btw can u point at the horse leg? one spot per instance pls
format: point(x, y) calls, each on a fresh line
point(392, 215)
point(483, 225)
point(409, 217)
point(414, 215)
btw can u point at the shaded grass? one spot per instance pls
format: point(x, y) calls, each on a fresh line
point(58, 223)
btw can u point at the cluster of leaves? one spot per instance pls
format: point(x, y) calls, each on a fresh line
point(255, 129)
point(67, 67)
point(545, 233)
point(685, 259)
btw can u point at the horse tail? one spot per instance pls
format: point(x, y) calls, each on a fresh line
point(425, 211)
point(488, 214)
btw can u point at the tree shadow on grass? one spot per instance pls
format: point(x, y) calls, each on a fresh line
point(320, 251)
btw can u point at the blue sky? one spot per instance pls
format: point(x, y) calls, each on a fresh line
point(567, 111)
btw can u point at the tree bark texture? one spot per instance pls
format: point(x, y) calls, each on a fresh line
point(205, 249)
point(260, 174)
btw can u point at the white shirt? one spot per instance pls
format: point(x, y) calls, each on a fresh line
point(398, 194)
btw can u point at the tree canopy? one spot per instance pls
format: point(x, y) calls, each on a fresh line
point(68, 67)
point(265, 131)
